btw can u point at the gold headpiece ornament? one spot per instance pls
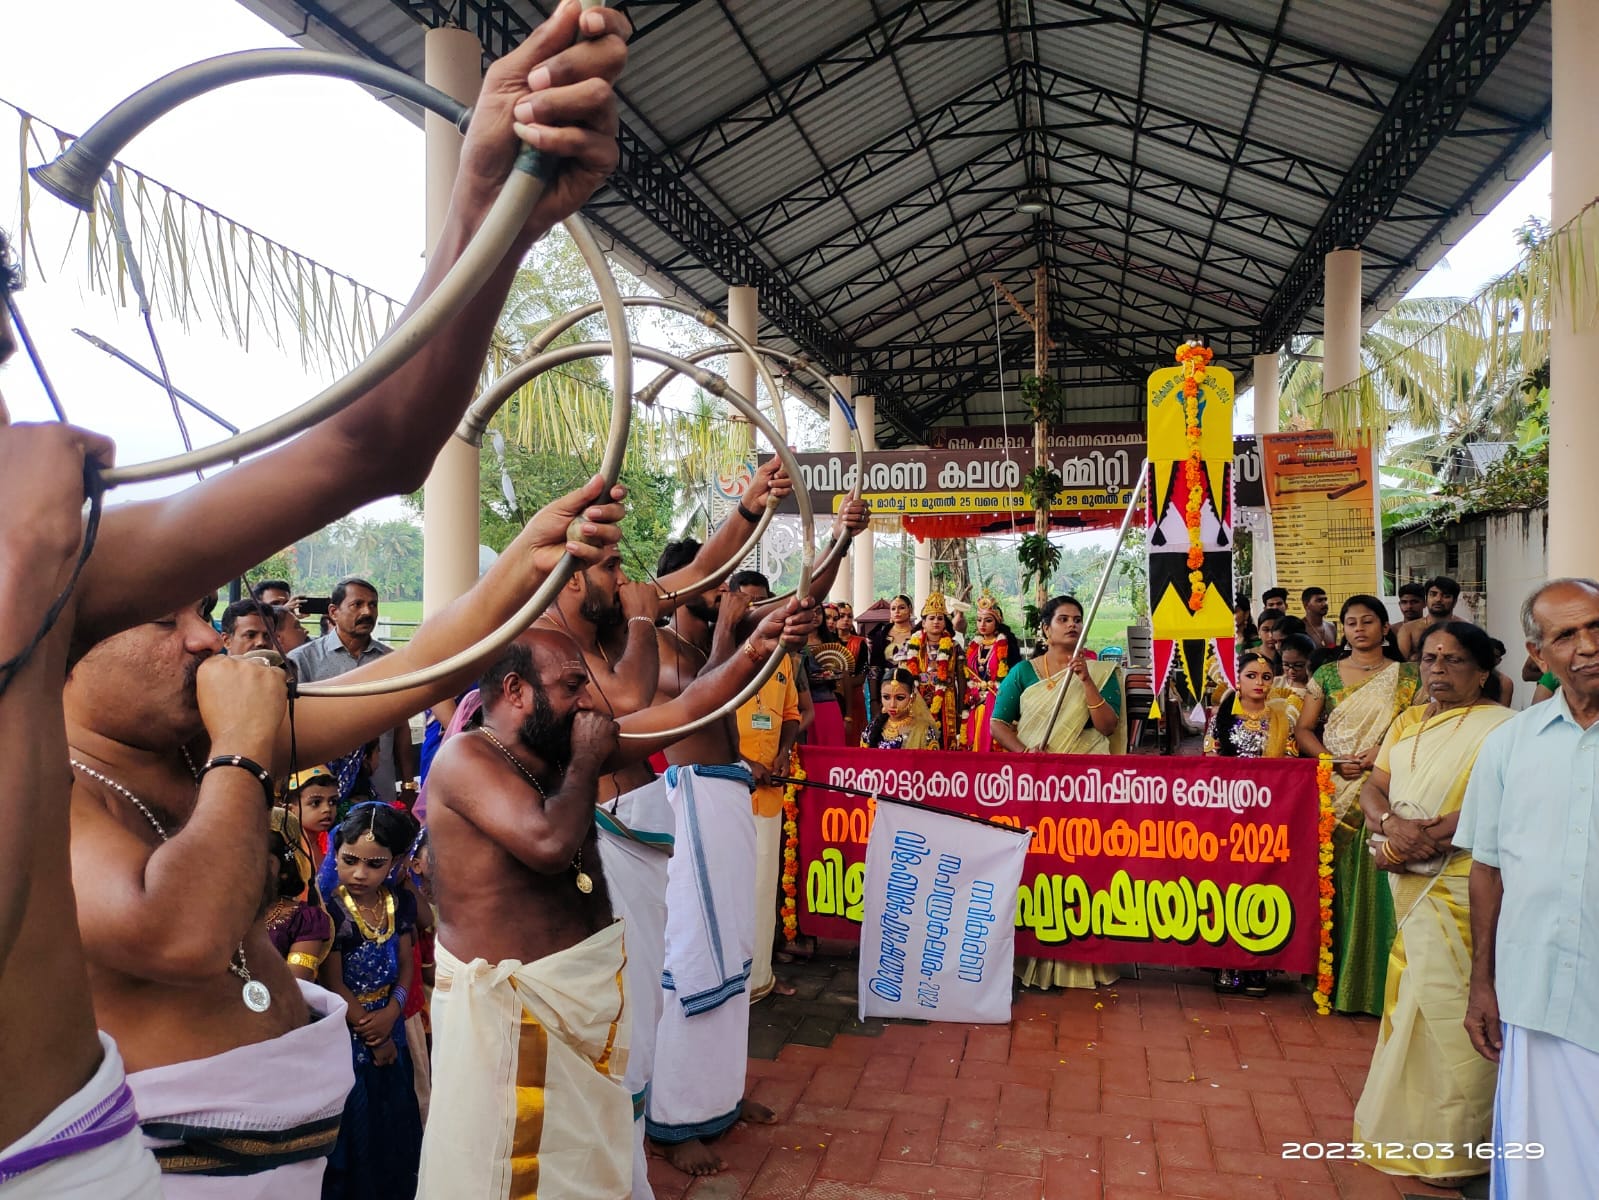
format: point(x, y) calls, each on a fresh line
point(987, 603)
point(935, 606)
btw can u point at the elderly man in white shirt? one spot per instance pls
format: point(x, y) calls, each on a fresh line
point(1529, 821)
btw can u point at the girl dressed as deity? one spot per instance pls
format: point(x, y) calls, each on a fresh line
point(372, 967)
point(902, 722)
point(990, 654)
point(1252, 722)
point(934, 657)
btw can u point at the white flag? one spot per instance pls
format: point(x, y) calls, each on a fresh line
point(938, 938)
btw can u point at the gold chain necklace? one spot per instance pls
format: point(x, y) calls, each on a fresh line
point(373, 933)
point(1422, 728)
point(584, 882)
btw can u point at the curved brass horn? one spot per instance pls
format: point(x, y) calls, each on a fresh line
point(610, 468)
point(837, 549)
point(75, 175)
point(561, 355)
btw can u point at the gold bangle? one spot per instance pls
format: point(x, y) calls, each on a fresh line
point(753, 654)
point(298, 958)
point(1388, 853)
point(1101, 704)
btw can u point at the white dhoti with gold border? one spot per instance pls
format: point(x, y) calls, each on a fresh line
point(528, 1068)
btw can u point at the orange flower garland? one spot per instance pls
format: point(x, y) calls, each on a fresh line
point(1324, 883)
point(1194, 360)
point(791, 852)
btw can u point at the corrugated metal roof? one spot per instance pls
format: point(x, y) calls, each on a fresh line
point(869, 152)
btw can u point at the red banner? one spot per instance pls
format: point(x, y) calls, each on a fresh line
point(1189, 861)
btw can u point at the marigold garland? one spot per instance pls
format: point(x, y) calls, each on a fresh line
point(1194, 360)
point(791, 851)
point(1324, 883)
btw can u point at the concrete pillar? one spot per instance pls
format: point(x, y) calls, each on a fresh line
point(744, 318)
point(1573, 417)
point(1341, 327)
point(1341, 361)
point(453, 63)
point(838, 442)
point(1266, 398)
point(924, 573)
point(1267, 418)
point(864, 552)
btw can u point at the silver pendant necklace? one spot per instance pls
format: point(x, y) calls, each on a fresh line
point(255, 994)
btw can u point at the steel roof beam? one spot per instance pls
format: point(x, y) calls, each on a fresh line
point(1462, 52)
point(829, 68)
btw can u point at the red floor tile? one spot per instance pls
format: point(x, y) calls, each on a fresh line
point(1163, 1090)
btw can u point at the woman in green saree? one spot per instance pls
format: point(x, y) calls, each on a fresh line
point(1087, 721)
point(1349, 707)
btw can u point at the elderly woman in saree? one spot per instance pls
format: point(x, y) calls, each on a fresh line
point(1059, 702)
point(1413, 798)
point(1349, 706)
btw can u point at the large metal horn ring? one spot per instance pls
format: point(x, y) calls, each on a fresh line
point(610, 468)
point(475, 422)
point(840, 546)
point(75, 175)
point(528, 369)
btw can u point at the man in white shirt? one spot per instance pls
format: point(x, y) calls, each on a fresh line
point(1529, 821)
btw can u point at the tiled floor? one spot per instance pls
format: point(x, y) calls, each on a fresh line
point(1148, 1088)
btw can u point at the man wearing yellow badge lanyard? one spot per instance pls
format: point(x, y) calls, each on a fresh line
point(768, 727)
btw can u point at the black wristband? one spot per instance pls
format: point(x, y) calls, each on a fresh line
point(244, 764)
point(752, 518)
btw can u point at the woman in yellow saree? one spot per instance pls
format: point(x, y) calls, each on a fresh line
point(1427, 1085)
point(1349, 707)
point(1088, 721)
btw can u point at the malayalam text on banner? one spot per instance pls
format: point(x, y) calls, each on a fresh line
point(1189, 861)
point(936, 941)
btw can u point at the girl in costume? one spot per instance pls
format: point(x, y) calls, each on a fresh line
point(856, 713)
point(1062, 703)
point(1251, 722)
point(890, 643)
point(1351, 703)
point(827, 666)
point(934, 657)
point(904, 722)
point(299, 929)
point(372, 967)
point(990, 654)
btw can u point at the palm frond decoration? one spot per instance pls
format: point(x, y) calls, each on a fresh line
point(1441, 365)
point(199, 263)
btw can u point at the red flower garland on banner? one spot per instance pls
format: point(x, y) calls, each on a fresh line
point(790, 912)
point(1324, 884)
point(1194, 360)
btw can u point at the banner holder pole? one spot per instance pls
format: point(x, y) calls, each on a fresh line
point(878, 796)
point(1099, 593)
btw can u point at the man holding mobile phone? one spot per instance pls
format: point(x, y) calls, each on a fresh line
point(354, 610)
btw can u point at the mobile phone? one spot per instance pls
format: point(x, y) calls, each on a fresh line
point(315, 606)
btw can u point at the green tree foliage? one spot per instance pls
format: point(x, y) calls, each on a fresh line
point(389, 553)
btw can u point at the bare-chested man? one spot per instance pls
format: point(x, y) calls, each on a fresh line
point(531, 976)
point(225, 1062)
point(613, 622)
point(702, 1040)
point(173, 919)
point(1442, 595)
point(67, 1125)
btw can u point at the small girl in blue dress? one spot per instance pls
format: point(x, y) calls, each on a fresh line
point(371, 966)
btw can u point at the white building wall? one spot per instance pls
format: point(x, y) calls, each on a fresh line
point(1517, 562)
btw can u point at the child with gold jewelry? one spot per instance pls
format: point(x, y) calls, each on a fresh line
point(934, 657)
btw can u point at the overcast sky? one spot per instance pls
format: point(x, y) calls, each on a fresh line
point(315, 164)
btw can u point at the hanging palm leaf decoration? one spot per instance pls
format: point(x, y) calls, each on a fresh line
point(198, 263)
